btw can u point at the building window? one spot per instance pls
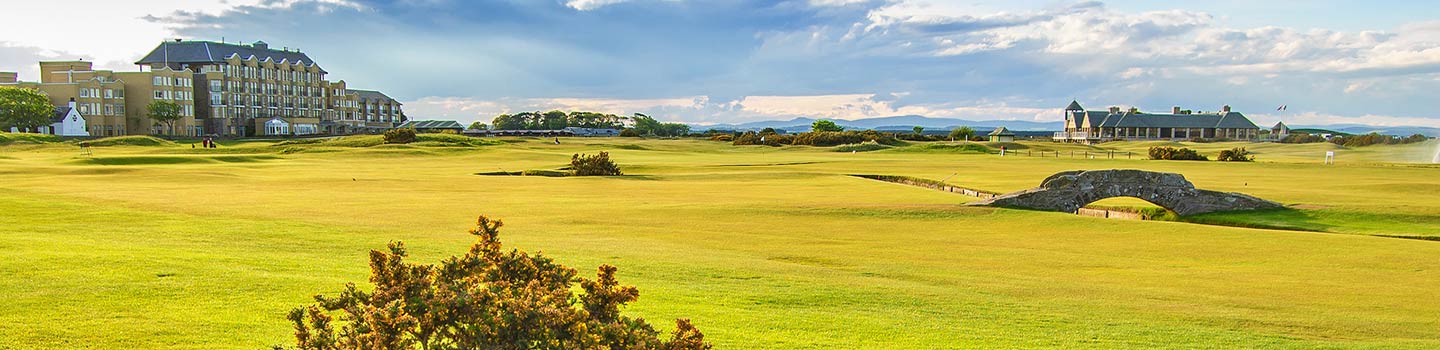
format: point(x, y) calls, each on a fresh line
point(216, 85)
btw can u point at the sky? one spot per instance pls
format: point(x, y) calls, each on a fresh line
point(733, 61)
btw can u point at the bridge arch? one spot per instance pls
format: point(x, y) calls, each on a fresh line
point(1070, 190)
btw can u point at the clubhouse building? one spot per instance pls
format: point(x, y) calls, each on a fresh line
point(1082, 126)
point(224, 89)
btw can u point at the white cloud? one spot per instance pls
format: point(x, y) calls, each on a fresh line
point(587, 5)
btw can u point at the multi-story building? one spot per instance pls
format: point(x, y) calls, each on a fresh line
point(222, 88)
point(114, 103)
point(378, 111)
point(1082, 126)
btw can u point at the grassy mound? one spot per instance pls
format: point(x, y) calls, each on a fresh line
point(133, 140)
point(26, 138)
point(945, 148)
point(342, 141)
point(450, 140)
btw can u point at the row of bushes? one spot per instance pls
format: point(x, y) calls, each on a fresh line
point(820, 138)
point(1171, 153)
point(1376, 139)
point(1355, 140)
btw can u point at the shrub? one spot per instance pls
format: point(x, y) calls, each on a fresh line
point(866, 146)
point(399, 136)
point(487, 299)
point(1301, 137)
point(629, 133)
point(1235, 155)
point(1171, 153)
point(816, 138)
point(596, 165)
point(1376, 139)
point(722, 138)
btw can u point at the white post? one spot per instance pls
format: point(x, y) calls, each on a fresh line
point(1329, 157)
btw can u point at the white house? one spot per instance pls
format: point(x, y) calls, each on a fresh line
point(67, 121)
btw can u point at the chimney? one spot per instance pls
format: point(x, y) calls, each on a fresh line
point(1225, 109)
point(1114, 109)
point(260, 45)
point(1175, 110)
point(72, 103)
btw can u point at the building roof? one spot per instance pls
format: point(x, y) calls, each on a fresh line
point(432, 124)
point(1280, 125)
point(371, 95)
point(60, 113)
point(1074, 106)
point(1001, 131)
point(212, 52)
point(1226, 120)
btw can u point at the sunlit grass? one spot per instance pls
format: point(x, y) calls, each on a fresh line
point(174, 247)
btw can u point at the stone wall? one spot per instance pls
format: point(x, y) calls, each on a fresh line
point(1071, 190)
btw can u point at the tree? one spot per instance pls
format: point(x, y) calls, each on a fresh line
point(645, 125)
point(487, 299)
point(553, 120)
point(825, 125)
point(918, 129)
point(163, 113)
point(508, 122)
point(479, 126)
point(963, 133)
point(24, 109)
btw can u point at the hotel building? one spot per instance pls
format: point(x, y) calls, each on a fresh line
point(223, 89)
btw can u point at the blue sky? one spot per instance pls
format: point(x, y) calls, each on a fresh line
point(742, 60)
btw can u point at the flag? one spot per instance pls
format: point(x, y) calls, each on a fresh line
point(1282, 107)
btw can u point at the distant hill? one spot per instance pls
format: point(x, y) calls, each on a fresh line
point(895, 123)
point(1366, 129)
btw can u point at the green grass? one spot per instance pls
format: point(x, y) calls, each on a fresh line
point(763, 247)
point(7, 138)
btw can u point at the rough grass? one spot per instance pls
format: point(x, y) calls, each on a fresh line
point(770, 248)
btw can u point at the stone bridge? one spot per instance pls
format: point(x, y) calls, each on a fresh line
point(1069, 191)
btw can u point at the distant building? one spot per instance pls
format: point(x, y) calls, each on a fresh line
point(433, 126)
point(1280, 130)
point(114, 103)
point(1002, 135)
point(68, 122)
point(593, 132)
point(1083, 126)
point(240, 89)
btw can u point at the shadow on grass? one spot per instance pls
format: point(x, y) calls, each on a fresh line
point(164, 160)
point(1274, 219)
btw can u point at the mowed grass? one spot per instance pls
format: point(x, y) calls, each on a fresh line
point(762, 247)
